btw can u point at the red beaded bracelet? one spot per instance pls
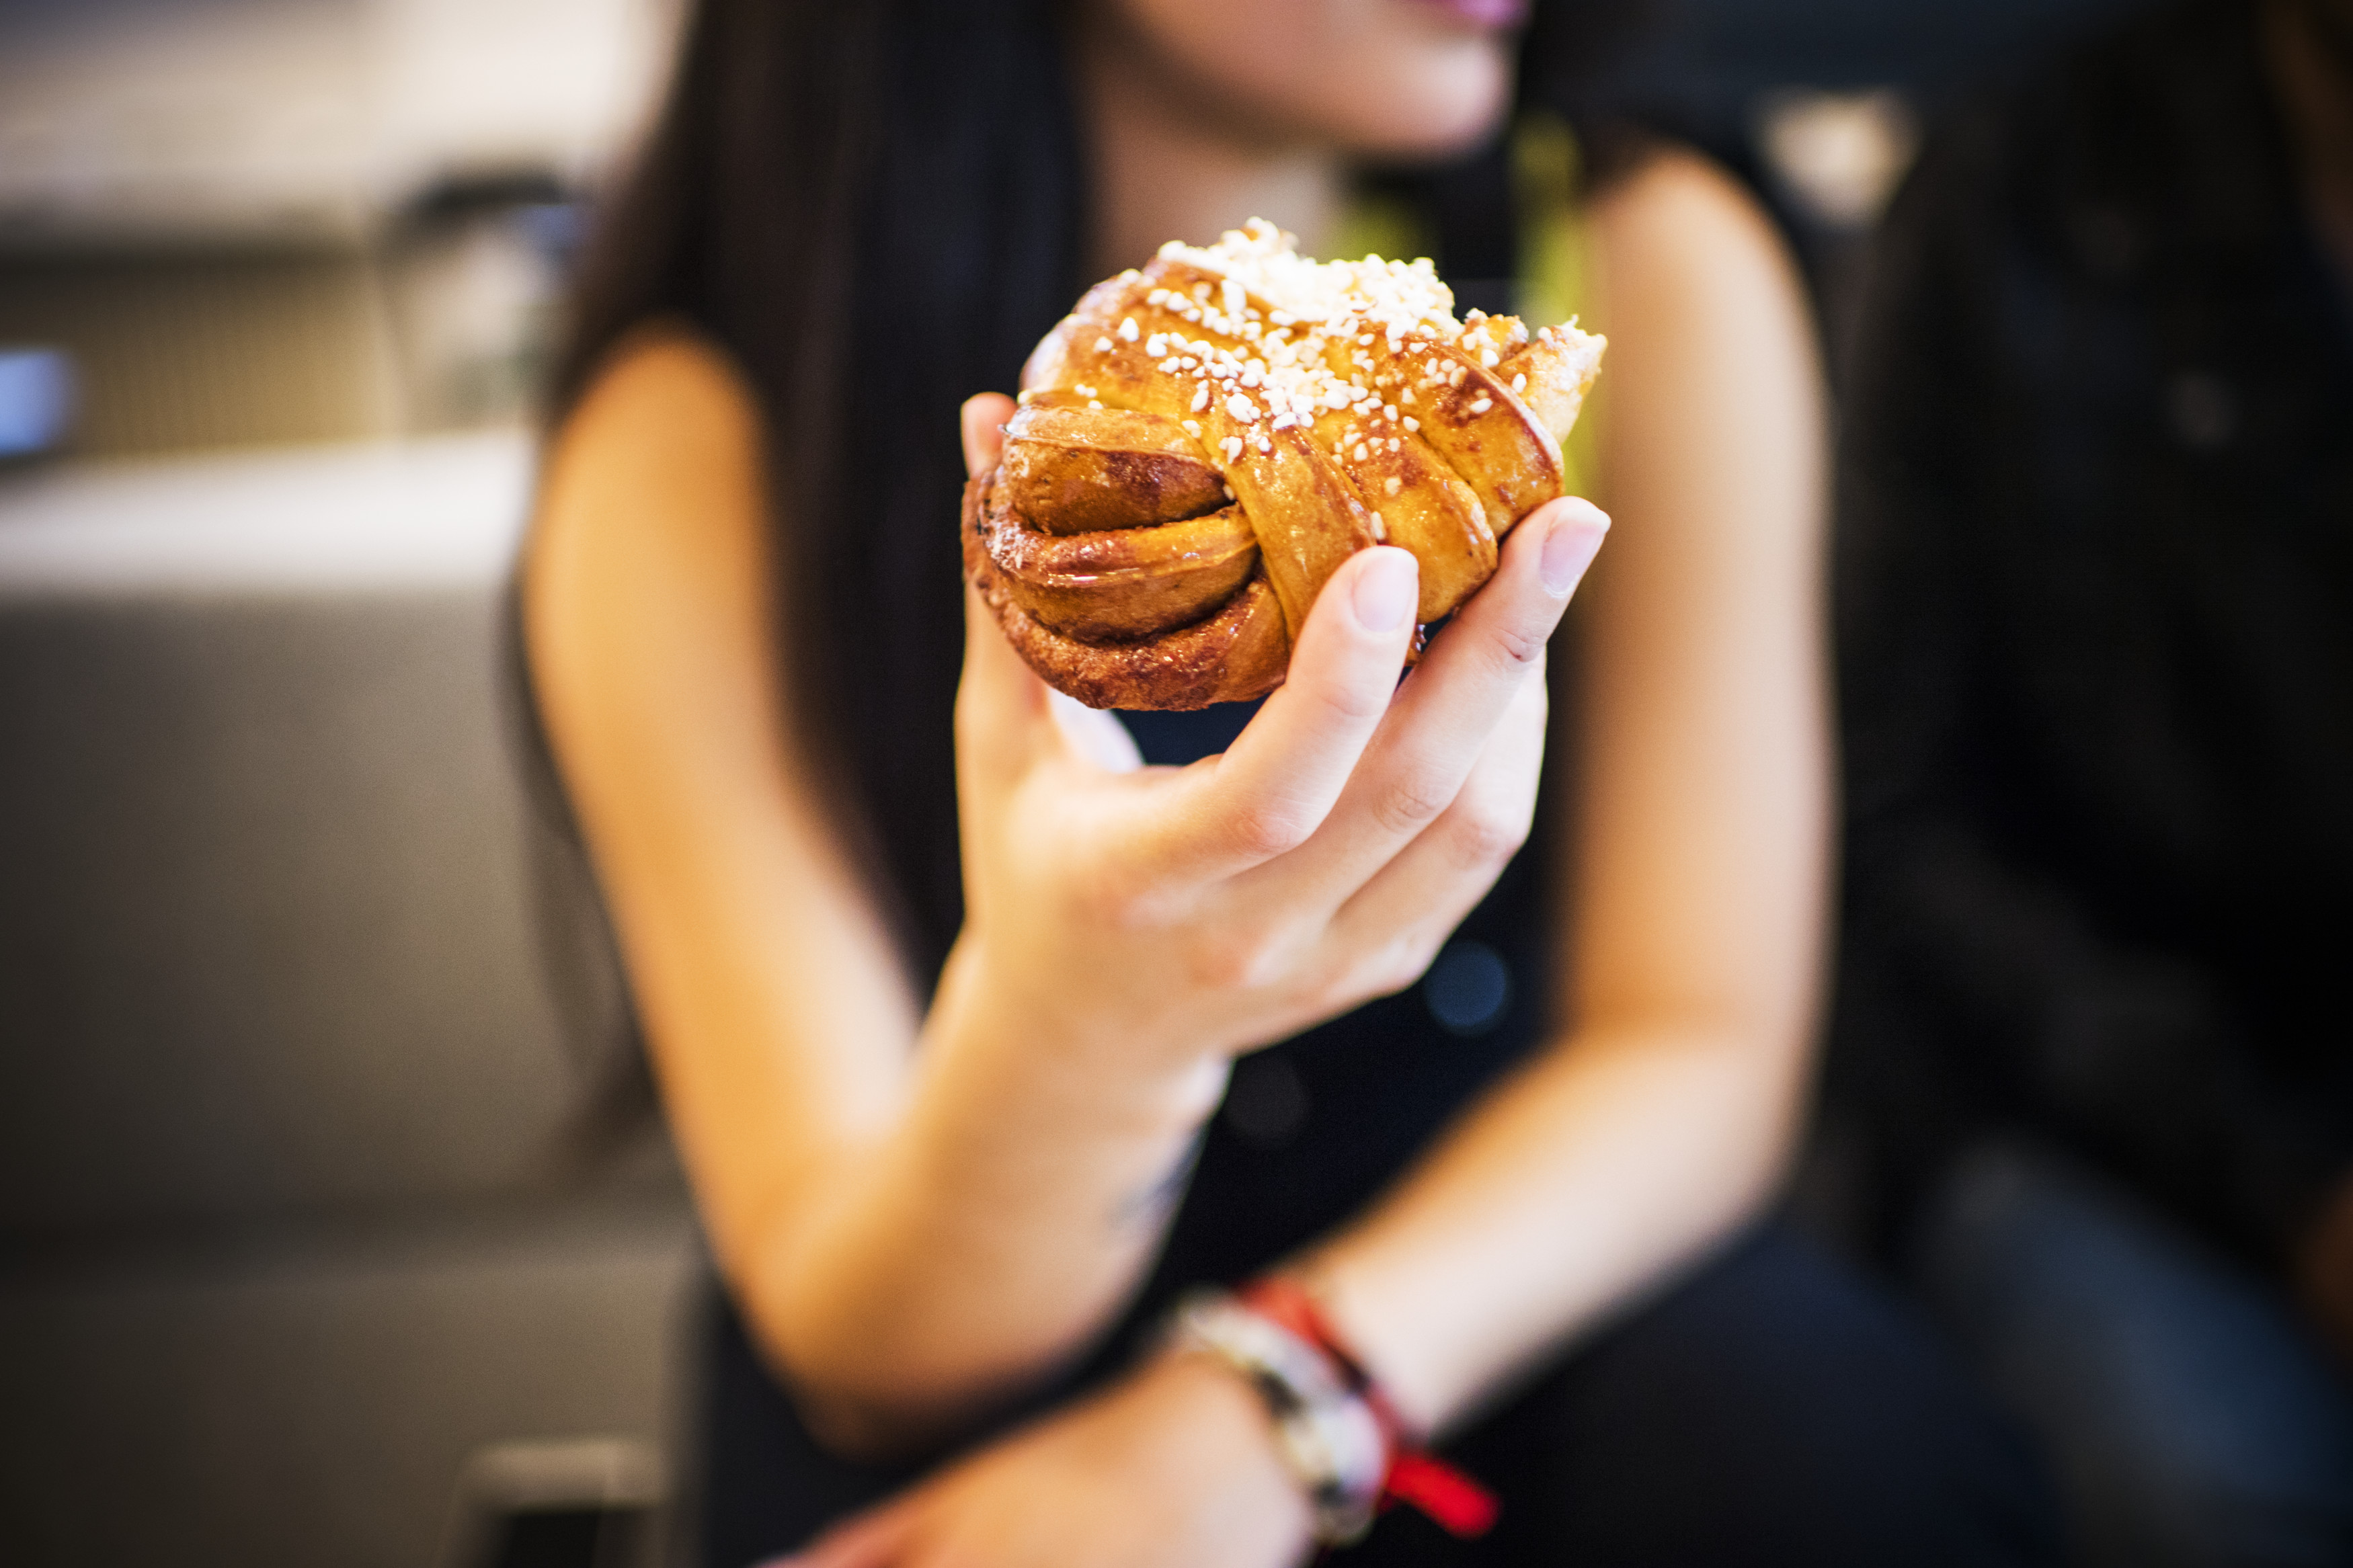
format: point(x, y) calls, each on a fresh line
point(1453, 1500)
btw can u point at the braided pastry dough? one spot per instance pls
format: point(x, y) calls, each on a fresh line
point(1202, 442)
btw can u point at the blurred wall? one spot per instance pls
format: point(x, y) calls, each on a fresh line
point(257, 221)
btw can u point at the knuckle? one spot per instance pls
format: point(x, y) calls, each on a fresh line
point(1239, 958)
point(1515, 648)
point(1397, 964)
point(1414, 964)
point(1488, 833)
point(1110, 898)
point(1412, 802)
point(1354, 702)
point(1265, 830)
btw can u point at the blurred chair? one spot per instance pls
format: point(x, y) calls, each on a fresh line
point(595, 1503)
point(294, 1212)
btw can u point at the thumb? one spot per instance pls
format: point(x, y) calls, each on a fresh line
point(1000, 702)
point(984, 420)
point(1002, 719)
point(1000, 705)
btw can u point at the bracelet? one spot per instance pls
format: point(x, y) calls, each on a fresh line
point(1335, 1429)
point(1327, 1436)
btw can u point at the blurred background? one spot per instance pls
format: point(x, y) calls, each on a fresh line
point(316, 1245)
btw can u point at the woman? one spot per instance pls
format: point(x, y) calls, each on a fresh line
point(943, 996)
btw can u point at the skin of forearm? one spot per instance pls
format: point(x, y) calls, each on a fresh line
point(907, 1285)
point(1572, 1189)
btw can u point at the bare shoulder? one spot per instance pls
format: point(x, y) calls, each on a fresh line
point(652, 487)
point(666, 408)
point(1714, 425)
point(660, 372)
point(1713, 356)
point(1678, 223)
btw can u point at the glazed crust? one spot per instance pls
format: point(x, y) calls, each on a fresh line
point(1076, 470)
point(1235, 655)
point(1169, 502)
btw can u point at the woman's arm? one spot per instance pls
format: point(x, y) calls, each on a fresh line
point(1666, 1110)
point(919, 1212)
point(783, 1027)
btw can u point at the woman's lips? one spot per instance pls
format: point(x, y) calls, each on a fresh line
point(1495, 13)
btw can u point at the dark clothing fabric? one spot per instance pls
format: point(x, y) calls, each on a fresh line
point(1772, 1409)
point(2095, 599)
point(2189, 1417)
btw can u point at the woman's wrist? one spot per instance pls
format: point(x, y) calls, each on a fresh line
point(987, 1025)
point(1017, 1118)
point(1226, 1417)
point(899, 1293)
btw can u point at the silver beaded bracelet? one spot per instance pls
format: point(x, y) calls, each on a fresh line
point(1328, 1436)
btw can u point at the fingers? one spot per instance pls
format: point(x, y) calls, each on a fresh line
point(1001, 714)
point(1399, 918)
point(984, 429)
point(1008, 720)
point(1275, 785)
point(1439, 725)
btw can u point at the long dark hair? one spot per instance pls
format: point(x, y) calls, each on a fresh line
point(877, 209)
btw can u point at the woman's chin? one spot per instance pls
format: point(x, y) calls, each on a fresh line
point(1436, 124)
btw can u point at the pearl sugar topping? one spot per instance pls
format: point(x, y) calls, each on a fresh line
point(1319, 313)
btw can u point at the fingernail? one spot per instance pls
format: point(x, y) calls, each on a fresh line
point(1384, 591)
point(1568, 549)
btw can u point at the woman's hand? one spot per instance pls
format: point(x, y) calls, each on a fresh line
point(1175, 915)
point(1174, 1466)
